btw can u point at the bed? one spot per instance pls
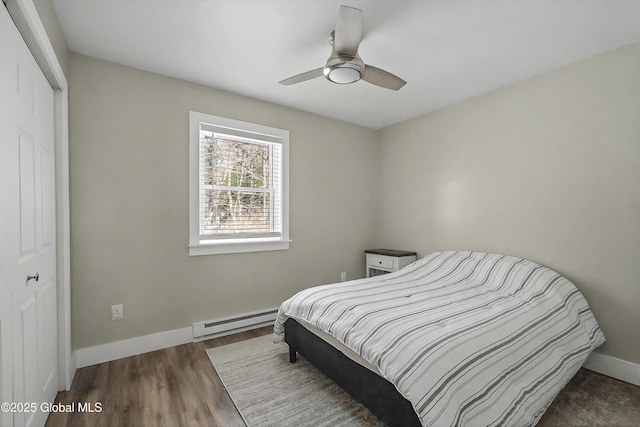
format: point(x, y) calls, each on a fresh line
point(456, 338)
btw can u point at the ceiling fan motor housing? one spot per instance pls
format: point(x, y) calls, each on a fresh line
point(344, 69)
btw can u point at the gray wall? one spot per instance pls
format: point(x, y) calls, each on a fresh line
point(129, 205)
point(547, 169)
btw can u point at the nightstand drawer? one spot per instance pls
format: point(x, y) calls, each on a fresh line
point(380, 261)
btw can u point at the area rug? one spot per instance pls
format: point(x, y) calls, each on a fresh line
point(270, 391)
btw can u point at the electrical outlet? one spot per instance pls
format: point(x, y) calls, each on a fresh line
point(117, 312)
point(343, 276)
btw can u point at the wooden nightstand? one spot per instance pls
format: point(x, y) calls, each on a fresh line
point(381, 261)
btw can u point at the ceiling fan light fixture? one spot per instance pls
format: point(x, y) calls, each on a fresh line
point(344, 69)
point(342, 75)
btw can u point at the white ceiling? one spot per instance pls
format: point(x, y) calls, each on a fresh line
point(447, 51)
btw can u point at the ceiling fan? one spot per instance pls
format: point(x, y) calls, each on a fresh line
point(345, 66)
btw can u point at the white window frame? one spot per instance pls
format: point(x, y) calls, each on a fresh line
point(198, 246)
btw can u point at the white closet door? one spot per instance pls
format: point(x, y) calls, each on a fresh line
point(28, 246)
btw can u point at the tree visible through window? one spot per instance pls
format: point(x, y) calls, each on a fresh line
point(238, 186)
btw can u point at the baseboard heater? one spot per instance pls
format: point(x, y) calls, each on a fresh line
point(231, 325)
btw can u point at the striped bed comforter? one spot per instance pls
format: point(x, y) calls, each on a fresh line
point(468, 338)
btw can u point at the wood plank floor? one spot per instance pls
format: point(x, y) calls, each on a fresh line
point(179, 387)
point(176, 386)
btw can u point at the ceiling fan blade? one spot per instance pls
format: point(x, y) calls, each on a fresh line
point(348, 33)
point(302, 77)
point(382, 78)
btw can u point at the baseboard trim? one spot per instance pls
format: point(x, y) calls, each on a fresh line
point(613, 367)
point(131, 347)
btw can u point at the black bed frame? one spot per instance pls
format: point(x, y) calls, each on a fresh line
point(367, 387)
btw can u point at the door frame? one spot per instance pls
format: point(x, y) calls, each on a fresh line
point(26, 17)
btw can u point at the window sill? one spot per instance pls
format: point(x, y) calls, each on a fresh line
point(238, 247)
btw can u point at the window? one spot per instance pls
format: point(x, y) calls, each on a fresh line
point(238, 186)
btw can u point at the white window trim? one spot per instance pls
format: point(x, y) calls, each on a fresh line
point(226, 246)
